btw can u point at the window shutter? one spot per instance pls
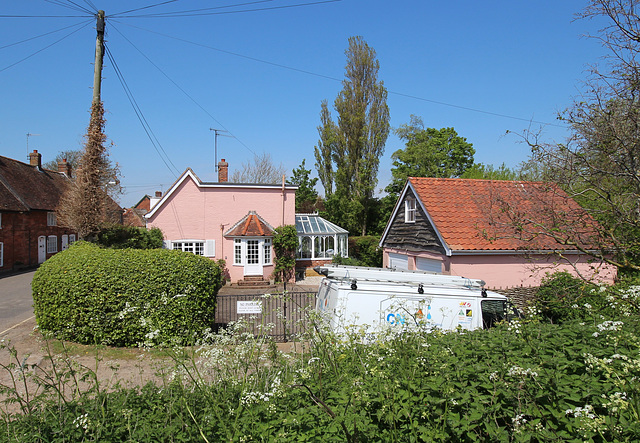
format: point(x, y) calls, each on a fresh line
point(209, 248)
point(167, 244)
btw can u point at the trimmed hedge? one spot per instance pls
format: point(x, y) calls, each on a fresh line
point(125, 297)
point(122, 237)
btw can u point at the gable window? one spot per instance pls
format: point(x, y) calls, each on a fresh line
point(195, 247)
point(52, 244)
point(267, 251)
point(51, 219)
point(410, 210)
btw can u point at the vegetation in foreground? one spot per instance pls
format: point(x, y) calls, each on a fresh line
point(525, 381)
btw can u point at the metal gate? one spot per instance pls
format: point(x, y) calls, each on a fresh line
point(280, 315)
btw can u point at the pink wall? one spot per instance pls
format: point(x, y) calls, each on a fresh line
point(514, 270)
point(204, 212)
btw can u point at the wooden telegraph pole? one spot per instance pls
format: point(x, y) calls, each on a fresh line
point(97, 69)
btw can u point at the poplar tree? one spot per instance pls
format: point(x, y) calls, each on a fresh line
point(348, 152)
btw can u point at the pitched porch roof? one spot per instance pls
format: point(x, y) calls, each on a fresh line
point(251, 225)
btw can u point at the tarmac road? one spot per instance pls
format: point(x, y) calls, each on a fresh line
point(16, 302)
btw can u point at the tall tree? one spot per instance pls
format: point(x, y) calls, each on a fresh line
point(599, 165)
point(111, 177)
point(260, 170)
point(85, 206)
point(306, 195)
point(429, 152)
point(348, 153)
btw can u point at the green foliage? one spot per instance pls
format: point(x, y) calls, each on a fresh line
point(429, 153)
point(125, 297)
point(363, 251)
point(563, 297)
point(122, 237)
point(306, 195)
point(285, 245)
point(489, 172)
point(527, 381)
point(348, 152)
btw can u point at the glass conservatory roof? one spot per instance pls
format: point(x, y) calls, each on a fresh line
point(313, 224)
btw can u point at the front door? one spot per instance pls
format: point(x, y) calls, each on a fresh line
point(253, 262)
point(42, 249)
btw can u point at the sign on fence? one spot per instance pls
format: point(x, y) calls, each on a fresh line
point(249, 307)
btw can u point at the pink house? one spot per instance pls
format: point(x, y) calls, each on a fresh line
point(222, 220)
point(490, 230)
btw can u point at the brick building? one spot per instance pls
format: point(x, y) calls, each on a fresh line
point(29, 195)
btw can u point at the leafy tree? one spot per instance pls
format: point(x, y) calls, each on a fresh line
point(429, 152)
point(348, 152)
point(489, 172)
point(111, 179)
point(260, 170)
point(85, 206)
point(599, 165)
point(285, 244)
point(306, 195)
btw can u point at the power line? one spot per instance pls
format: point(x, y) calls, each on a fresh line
point(196, 14)
point(143, 121)
point(315, 74)
point(182, 90)
point(46, 47)
point(69, 4)
point(43, 35)
point(144, 7)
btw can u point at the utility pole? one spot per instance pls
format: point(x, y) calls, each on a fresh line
point(97, 69)
point(215, 143)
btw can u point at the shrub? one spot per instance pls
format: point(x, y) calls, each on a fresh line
point(125, 297)
point(122, 237)
point(562, 296)
point(363, 251)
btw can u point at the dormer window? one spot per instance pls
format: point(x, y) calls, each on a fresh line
point(410, 210)
point(51, 219)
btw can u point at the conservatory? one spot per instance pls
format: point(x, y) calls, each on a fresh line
point(319, 239)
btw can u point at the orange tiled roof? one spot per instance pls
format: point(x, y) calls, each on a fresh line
point(252, 225)
point(503, 215)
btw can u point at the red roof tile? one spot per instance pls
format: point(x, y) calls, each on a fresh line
point(252, 225)
point(502, 215)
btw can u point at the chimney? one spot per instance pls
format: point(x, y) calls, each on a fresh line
point(223, 171)
point(154, 200)
point(35, 159)
point(64, 167)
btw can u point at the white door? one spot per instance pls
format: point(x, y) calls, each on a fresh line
point(253, 257)
point(42, 249)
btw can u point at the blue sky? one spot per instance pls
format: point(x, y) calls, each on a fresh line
point(262, 74)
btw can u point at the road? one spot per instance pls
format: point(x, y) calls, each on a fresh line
point(16, 303)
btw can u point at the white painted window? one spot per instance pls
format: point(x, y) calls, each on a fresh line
point(51, 219)
point(267, 251)
point(237, 251)
point(52, 244)
point(65, 242)
point(193, 246)
point(410, 210)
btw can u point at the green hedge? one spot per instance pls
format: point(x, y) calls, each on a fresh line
point(122, 237)
point(125, 297)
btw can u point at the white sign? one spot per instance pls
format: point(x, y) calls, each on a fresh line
point(249, 307)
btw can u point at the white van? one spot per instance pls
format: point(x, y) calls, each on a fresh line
point(382, 298)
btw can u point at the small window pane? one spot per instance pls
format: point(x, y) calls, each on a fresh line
point(52, 244)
